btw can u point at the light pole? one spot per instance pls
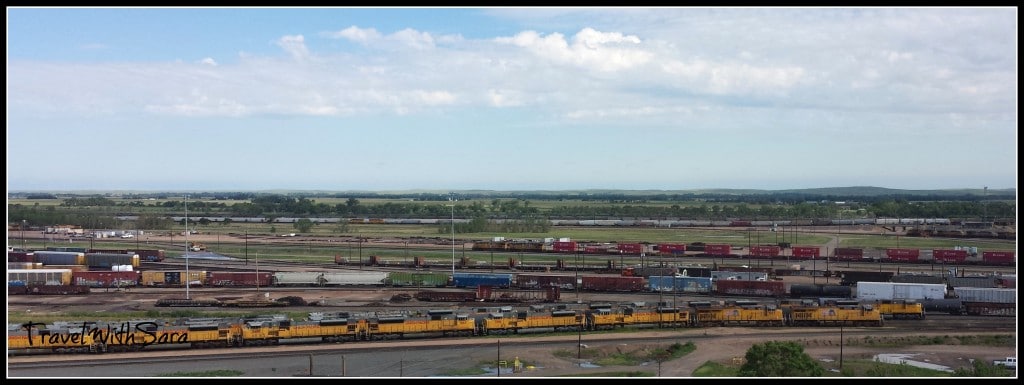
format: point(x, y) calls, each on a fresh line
point(452, 199)
point(186, 250)
point(23, 224)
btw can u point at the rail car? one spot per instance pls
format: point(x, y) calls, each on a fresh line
point(137, 335)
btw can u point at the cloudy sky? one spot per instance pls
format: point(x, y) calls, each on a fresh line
point(510, 98)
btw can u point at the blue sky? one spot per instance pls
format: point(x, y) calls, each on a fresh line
point(510, 98)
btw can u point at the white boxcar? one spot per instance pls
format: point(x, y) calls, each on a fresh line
point(987, 295)
point(891, 290)
point(354, 278)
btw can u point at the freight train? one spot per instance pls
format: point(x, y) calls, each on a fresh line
point(954, 256)
point(138, 335)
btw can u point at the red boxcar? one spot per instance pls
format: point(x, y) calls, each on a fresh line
point(903, 255)
point(997, 257)
point(718, 249)
point(739, 223)
point(105, 278)
point(595, 249)
point(806, 252)
point(537, 281)
point(21, 256)
point(671, 249)
point(239, 278)
point(751, 288)
point(564, 246)
point(612, 283)
point(849, 254)
point(949, 256)
point(630, 248)
point(764, 251)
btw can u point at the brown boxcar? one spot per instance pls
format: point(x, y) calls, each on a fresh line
point(751, 288)
point(612, 283)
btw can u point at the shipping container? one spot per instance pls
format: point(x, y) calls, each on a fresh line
point(806, 252)
point(750, 288)
point(106, 278)
point(949, 256)
point(564, 246)
point(671, 249)
point(239, 278)
point(719, 250)
point(612, 283)
point(630, 248)
point(849, 254)
point(764, 251)
point(875, 291)
point(1005, 258)
point(903, 255)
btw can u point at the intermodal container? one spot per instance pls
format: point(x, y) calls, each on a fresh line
point(671, 249)
point(564, 246)
point(949, 256)
point(903, 255)
point(764, 251)
point(630, 248)
point(998, 257)
point(849, 254)
point(806, 252)
point(718, 249)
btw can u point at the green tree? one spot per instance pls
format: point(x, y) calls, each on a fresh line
point(779, 359)
point(303, 225)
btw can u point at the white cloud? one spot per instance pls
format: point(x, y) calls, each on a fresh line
point(208, 61)
point(590, 49)
point(356, 34)
point(295, 45)
point(727, 78)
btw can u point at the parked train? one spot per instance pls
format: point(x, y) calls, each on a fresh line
point(954, 256)
point(137, 335)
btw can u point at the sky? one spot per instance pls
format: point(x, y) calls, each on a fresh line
point(510, 98)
